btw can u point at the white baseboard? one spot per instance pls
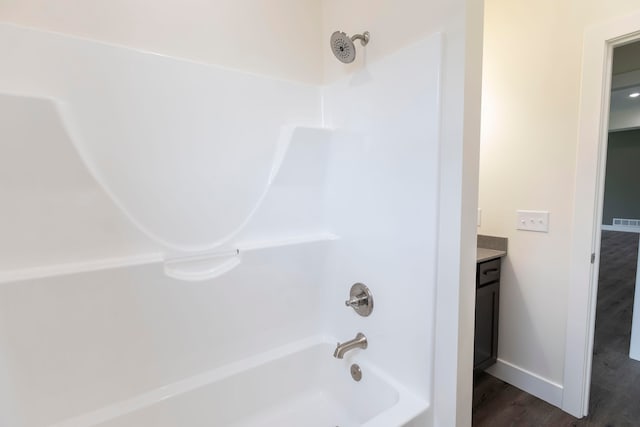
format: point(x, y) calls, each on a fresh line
point(528, 381)
point(625, 229)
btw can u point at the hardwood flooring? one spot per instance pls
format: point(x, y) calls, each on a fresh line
point(615, 383)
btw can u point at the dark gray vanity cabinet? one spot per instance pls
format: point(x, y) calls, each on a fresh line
point(485, 349)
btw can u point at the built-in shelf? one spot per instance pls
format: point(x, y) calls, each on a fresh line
point(254, 245)
point(189, 268)
point(54, 270)
point(207, 266)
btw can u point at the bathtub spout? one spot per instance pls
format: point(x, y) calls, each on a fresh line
point(360, 341)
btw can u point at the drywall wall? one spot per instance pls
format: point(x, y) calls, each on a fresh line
point(280, 38)
point(531, 92)
point(394, 25)
point(622, 177)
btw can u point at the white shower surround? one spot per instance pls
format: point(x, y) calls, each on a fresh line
point(169, 140)
point(374, 144)
point(285, 386)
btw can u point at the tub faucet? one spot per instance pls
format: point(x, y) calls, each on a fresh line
point(360, 341)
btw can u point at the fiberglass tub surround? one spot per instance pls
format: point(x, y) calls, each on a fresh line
point(170, 143)
point(276, 388)
point(273, 196)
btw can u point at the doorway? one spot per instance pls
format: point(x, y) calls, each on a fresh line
point(616, 348)
point(600, 43)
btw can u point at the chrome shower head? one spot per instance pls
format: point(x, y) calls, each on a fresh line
point(342, 45)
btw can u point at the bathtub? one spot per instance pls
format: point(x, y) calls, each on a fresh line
point(299, 384)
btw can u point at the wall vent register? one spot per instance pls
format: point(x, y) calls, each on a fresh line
point(622, 222)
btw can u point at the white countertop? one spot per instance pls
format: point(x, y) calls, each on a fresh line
point(484, 254)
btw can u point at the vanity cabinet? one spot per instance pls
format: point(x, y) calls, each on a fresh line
point(485, 349)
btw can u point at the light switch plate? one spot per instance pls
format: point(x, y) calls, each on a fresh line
point(533, 221)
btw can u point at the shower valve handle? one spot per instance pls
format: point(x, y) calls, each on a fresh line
point(360, 299)
point(357, 301)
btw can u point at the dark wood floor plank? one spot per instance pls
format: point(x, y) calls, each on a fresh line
point(615, 382)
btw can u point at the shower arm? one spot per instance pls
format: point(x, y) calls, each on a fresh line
point(364, 38)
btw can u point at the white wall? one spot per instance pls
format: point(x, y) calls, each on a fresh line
point(280, 38)
point(531, 90)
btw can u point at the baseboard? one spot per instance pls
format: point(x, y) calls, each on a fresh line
point(528, 381)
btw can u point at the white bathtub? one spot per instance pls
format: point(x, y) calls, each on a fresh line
point(300, 384)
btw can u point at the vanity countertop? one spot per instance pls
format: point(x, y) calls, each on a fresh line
point(490, 247)
point(485, 254)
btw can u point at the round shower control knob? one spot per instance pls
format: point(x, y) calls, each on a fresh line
point(360, 299)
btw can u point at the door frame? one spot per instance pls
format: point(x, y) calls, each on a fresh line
point(599, 42)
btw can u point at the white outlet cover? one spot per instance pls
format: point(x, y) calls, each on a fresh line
point(479, 217)
point(532, 221)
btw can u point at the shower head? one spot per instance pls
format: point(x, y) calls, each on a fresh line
point(342, 45)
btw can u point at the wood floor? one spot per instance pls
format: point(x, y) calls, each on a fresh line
point(615, 383)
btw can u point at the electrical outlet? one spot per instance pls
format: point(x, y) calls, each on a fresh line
point(479, 217)
point(533, 221)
